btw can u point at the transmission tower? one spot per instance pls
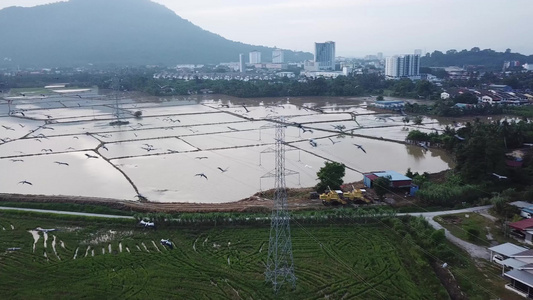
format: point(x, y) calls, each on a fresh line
point(280, 266)
point(117, 110)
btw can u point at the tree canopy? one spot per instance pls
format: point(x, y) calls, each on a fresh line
point(330, 175)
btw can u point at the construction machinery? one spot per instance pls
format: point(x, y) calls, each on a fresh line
point(333, 197)
point(338, 197)
point(356, 195)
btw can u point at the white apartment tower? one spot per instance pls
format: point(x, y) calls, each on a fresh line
point(402, 66)
point(241, 63)
point(277, 56)
point(255, 57)
point(325, 55)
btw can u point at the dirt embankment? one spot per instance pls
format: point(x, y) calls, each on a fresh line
point(260, 202)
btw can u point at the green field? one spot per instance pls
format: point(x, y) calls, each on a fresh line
point(354, 261)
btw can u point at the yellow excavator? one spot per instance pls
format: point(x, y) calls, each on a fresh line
point(338, 197)
point(332, 197)
point(355, 195)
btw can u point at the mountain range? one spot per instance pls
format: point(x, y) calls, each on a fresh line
point(113, 32)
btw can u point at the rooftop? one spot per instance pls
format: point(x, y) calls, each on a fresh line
point(513, 263)
point(395, 176)
point(507, 249)
point(521, 276)
point(525, 253)
point(522, 225)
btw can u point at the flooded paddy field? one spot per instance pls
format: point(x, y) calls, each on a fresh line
point(65, 145)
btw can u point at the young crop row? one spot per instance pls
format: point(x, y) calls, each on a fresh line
point(335, 260)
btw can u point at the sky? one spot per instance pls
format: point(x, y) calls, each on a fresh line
point(360, 27)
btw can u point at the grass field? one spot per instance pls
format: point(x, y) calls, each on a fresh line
point(459, 224)
point(348, 261)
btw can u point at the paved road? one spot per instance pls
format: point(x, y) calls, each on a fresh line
point(59, 212)
point(473, 250)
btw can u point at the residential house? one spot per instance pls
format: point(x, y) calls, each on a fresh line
point(522, 229)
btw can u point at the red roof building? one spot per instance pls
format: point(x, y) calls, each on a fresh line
point(523, 229)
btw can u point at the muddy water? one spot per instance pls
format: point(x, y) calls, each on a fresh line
point(165, 154)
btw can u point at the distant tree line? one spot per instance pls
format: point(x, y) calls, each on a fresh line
point(488, 58)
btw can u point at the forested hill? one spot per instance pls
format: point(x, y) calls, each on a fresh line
point(120, 32)
point(491, 59)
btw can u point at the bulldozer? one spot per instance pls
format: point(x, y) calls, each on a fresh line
point(332, 197)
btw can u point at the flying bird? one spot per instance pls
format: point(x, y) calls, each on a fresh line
point(245, 108)
point(22, 126)
point(312, 143)
point(90, 156)
point(8, 128)
point(231, 128)
point(17, 160)
point(75, 137)
point(306, 130)
point(360, 147)
point(224, 105)
point(499, 176)
point(222, 170)
point(334, 142)
point(25, 182)
point(201, 157)
point(61, 163)
point(78, 96)
point(201, 175)
point(423, 146)
point(47, 150)
point(104, 147)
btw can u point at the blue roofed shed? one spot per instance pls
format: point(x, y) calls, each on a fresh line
point(397, 180)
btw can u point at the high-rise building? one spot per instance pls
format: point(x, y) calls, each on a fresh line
point(380, 55)
point(277, 56)
point(402, 66)
point(241, 63)
point(325, 55)
point(418, 52)
point(255, 57)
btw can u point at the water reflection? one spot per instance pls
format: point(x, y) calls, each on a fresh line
point(158, 155)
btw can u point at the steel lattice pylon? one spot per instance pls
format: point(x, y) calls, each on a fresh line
point(280, 266)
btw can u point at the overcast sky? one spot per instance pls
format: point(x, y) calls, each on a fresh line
point(360, 27)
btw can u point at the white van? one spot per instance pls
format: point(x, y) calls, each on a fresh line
point(525, 214)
